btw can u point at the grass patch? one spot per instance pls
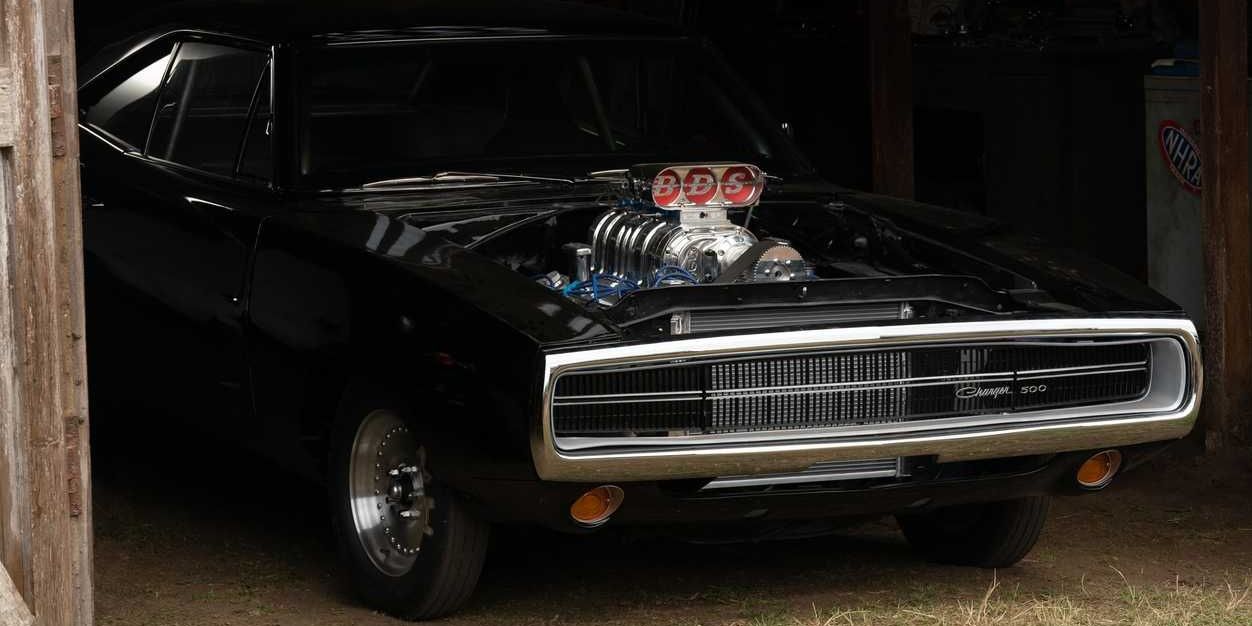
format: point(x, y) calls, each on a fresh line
point(1123, 603)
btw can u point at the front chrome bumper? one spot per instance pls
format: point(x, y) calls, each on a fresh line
point(949, 439)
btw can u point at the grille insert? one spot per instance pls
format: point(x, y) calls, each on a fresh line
point(848, 387)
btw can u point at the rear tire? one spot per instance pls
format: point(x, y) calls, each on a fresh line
point(986, 534)
point(410, 546)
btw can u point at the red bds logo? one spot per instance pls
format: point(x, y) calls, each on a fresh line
point(665, 188)
point(740, 185)
point(699, 185)
point(696, 186)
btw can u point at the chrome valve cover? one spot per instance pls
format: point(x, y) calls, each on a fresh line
point(634, 244)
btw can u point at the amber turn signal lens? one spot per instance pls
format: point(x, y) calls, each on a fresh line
point(1098, 471)
point(594, 507)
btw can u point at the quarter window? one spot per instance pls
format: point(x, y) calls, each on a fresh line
point(202, 118)
point(125, 111)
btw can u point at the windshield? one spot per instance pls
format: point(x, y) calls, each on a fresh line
point(541, 106)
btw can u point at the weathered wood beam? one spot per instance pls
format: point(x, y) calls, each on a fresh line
point(8, 127)
point(13, 609)
point(1227, 252)
point(890, 40)
point(30, 217)
point(67, 197)
point(45, 533)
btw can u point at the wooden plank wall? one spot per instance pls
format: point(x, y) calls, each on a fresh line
point(1227, 254)
point(45, 526)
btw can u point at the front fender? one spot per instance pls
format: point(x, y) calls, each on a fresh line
point(342, 296)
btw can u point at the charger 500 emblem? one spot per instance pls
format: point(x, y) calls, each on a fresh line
point(971, 392)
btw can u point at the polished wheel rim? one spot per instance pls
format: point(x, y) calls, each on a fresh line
point(387, 485)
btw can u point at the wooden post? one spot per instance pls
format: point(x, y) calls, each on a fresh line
point(45, 521)
point(890, 39)
point(1227, 260)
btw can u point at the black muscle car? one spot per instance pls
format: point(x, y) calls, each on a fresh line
point(482, 264)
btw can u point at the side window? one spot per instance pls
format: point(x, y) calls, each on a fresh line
point(125, 111)
point(255, 162)
point(202, 117)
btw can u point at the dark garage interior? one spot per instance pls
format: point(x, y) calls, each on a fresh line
point(1079, 124)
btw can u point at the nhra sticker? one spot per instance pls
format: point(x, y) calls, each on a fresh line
point(1182, 154)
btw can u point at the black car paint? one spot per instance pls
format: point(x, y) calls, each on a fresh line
point(250, 310)
point(328, 290)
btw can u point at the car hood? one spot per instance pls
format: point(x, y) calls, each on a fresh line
point(1067, 275)
point(453, 221)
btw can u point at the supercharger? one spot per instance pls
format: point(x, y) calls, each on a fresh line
point(677, 218)
point(636, 245)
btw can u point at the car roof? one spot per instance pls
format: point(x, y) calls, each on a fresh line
point(365, 21)
point(384, 19)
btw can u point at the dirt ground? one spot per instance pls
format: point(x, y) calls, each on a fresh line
point(200, 538)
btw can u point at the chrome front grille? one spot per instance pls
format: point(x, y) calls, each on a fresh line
point(1110, 382)
point(847, 387)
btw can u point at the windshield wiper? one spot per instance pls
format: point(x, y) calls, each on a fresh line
point(443, 178)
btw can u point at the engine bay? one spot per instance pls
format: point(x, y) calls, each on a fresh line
point(671, 227)
point(632, 249)
point(685, 228)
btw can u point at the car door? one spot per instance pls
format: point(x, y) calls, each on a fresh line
point(171, 212)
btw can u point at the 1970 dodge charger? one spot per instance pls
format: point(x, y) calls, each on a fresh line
point(477, 265)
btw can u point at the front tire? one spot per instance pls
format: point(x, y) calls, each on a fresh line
point(411, 548)
point(985, 534)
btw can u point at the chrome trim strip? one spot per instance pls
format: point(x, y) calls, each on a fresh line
point(628, 398)
point(1122, 370)
point(647, 394)
point(1081, 368)
point(873, 385)
point(818, 472)
point(968, 342)
point(886, 383)
point(797, 478)
point(1168, 412)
